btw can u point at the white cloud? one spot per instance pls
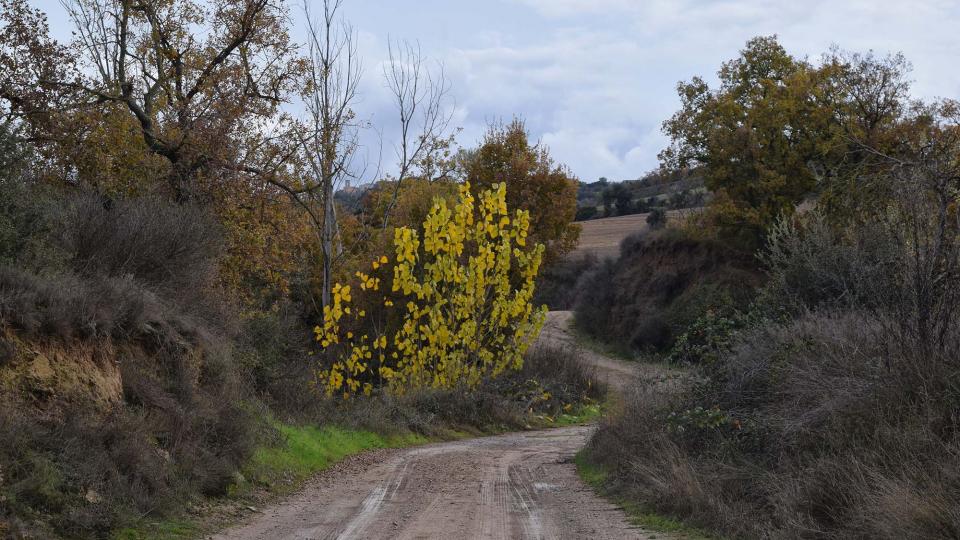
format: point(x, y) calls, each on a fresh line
point(595, 78)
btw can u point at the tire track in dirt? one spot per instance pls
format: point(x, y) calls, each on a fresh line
point(518, 485)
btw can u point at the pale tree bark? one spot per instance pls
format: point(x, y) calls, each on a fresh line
point(330, 136)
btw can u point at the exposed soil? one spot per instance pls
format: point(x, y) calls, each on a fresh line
point(519, 485)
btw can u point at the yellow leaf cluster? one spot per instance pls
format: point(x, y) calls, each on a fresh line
point(461, 298)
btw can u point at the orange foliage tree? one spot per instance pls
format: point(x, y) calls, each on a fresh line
point(534, 183)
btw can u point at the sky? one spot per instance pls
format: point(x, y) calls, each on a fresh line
point(594, 79)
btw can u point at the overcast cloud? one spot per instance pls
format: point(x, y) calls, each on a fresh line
point(594, 79)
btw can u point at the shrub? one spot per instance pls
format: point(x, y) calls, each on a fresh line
point(810, 425)
point(66, 306)
point(85, 476)
point(458, 309)
point(710, 336)
point(815, 265)
point(657, 218)
point(272, 350)
point(25, 224)
point(585, 213)
point(662, 282)
point(168, 246)
point(552, 381)
point(558, 284)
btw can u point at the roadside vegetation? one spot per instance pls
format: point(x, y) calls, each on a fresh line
point(814, 301)
point(195, 304)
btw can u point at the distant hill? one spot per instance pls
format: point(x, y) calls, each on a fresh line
point(673, 191)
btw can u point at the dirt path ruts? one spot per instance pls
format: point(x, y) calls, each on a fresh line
point(519, 485)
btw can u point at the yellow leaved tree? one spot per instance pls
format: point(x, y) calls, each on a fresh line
point(447, 311)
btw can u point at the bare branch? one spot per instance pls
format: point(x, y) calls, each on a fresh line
point(420, 96)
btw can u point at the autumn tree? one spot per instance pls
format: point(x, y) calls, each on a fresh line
point(779, 129)
point(449, 308)
point(534, 184)
point(140, 103)
point(202, 103)
point(876, 117)
point(755, 135)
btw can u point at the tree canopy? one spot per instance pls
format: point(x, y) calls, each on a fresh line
point(534, 183)
point(779, 129)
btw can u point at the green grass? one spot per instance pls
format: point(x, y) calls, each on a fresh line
point(165, 530)
point(582, 414)
point(308, 450)
point(303, 452)
point(596, 477)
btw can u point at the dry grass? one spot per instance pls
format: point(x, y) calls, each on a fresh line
point(602, 237)
point(808, 430)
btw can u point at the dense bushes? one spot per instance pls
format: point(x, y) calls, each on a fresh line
point(135, 280)
point(808, 426)
point(829, 409)
point(85, 475)
point(553, 381)
point(558, 284)
point(174, 247)
point(67, 306)
point(660, 284)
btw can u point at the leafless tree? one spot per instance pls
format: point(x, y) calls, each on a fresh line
point(924, 222)
point(330, 135)
point(420, 96)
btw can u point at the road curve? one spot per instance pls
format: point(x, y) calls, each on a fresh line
point(513, 486)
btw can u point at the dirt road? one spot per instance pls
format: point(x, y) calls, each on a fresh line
point(520, 485)
point(617, 373)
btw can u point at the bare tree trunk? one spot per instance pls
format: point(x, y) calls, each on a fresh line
point(330, 139)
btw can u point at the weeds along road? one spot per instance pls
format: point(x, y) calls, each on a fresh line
point(519, 485)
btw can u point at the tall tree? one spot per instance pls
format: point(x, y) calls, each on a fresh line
point(200, 103)
point(534, 183)
point(419, 95)
point(755, 135)
point(778, 130)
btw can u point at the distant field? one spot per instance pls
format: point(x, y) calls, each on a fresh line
point(602, 236)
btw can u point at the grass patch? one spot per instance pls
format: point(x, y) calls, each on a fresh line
point(595, 476)
point(281, 469)
point(582, 414)
point(165, 530)
point(307, 450)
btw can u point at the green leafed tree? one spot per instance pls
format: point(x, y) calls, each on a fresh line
point(756, 134)
point(779, 129)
